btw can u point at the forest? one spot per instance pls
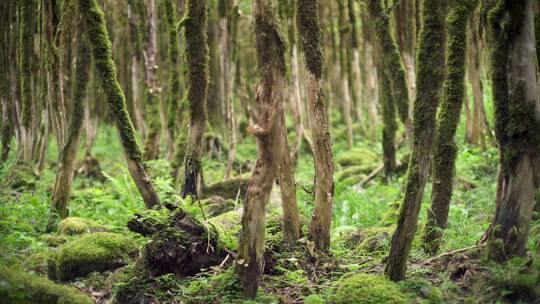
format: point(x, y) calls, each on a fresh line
point(269, 151)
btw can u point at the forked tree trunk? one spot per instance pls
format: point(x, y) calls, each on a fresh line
point(517, 116)
point(151, 144)
point(268, 131)
point(445, 151)
point(310, 40)
point(66, 166)
point(197, 56)
point(390, 61)
point(430, 74)
point(98, 37)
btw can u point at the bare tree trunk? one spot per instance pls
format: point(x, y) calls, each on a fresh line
point(371, 84)
point(309, 29)
point(291, 217)
point(268, 131)
point(345, 75)
point(297, 104)
point(405, 27)
point(197, 56)
point(98, 37)
point(388, 111)
point(135, 69)
point(428, 83)
point(151, 144)
point(66, 166)
point(517, 115)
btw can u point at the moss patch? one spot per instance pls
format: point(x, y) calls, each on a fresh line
point(358, 157)
point(99, 251)
point(78, 225)
point(17, 286)
point(367, 289)
point(229, 188)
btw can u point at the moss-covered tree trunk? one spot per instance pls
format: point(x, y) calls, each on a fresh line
point(100, 43)
point(429, 78)
point(26, 45)
point(445, 150)
point(174, 93)
point(310, 41)
point(151, 143)
point(517, 116)
point(388, 112)
point(66, 164)
point(5, 98)
point(391, 61)
point(197, 56)
point(405, 29)
point(268, 131)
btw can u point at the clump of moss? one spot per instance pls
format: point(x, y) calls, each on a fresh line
point(229, 188)
point(54, 240)
point(368, 289)
point(358, 157)
point(228, 228)
point(99, 251)
point(431, 294)
point(17, 286)
point(37, 262)
point(314, 299)
point(78, 225)
point(21, 177)
point(370, 239)
point(216, 205)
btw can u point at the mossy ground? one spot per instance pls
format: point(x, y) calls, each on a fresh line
point(298, 274)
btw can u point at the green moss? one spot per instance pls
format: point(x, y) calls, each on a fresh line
point(310, 35)
point(54, 240)
point(17, 286)
point(314, 299)
point(228, 228)
point(21, 177)
point(367, 289)
point(228, 189)
point(99, 251)
point(422, 287)
point(26, 50)
point(358, 157)
point(37, 262)
point(174, 80)
point(77, 225)
point(94, 20)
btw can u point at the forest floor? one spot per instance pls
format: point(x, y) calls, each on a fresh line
point(363, 219)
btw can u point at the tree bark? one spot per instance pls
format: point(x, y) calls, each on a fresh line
point(98, 37)
point(197, 55)
point(447, 120)
point(388, 111)
point(517, 117)
point(268, 131)
point(429, 78)
point(310, 40)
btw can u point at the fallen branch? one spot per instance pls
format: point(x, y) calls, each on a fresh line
point(450, 253)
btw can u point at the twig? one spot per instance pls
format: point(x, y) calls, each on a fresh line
point(450, 253)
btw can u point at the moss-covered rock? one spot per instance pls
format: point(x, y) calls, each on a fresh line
point(54, 240)
point(228, 228)
point(358, 157)
point(78, 225)
point(22, 177)
point(99, 251)
point(370, 239)
point(216, 205)
point(17, 286)
point(228, 189)
point(423, 288)
point(37, 262)
point(369, 289)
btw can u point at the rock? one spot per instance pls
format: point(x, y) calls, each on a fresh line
point(358, 157)
point(229, 188)
point(78, 225)
point(17, 286)
point(368, 289)
point(96, 252)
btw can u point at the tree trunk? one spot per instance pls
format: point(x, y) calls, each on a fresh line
point(66, 166)
point(345, 73)
point(268, 131)
point(517, 116)
point(391, 62)
point(197, 56)
point(98, 37)
point(151, 144)
point(135, 69)
point(428, 83)
point(447, 121)
point(388, 110)
point(405, 28)
point(310, 39)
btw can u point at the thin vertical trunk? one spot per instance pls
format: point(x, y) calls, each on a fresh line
point(151, 144)
point(370, 79)
point(445, 151)
point(66, 165)
point(135, 69)
point(517, 116)
point(405, 28)
point(268, 131)
point(174, 77)
point(310, 39)
point(388, 112)
point(98, 37)
point(5, 98)
point(430, 72)
point(345, 63)
point(197, 56)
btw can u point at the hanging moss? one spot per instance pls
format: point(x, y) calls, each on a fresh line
point(447, 121)
point(310, 35)
point(390, 59)
point(101, 50)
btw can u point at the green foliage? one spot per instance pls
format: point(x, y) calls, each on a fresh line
point(518, 278)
